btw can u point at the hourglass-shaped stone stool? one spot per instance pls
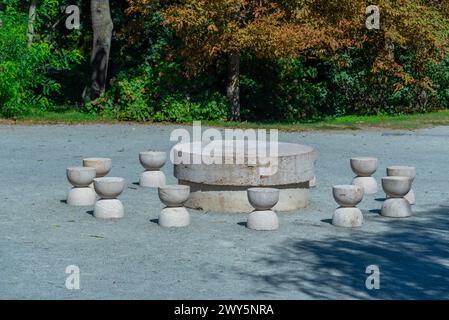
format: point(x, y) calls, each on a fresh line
point(404, 171)
point(81, 194)
point(102, 166)
point(263, 200)
point(174, 214)
point(348, 197)
point(152, 161)
point(364, 168)
point(396, 206)
point(109, 188)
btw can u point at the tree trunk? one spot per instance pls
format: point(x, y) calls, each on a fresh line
point(233, 86)
point(31, 19)
point(102, 27)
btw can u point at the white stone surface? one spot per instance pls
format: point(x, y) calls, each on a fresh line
point(405, 171)
point(347, 217)
point(347, 195)
point(263, 198)
point(176, 217)
point(396, 186)
point(369, 184)
point(396, 208)
point(174, 195)
point(402, 171)
point(80, 176)
point(295, 164)
point(102, 165)
point(152, 160)
point(109, 187)
point(223, 187)
point(263, 220)
point(364, 166)
point(81, 196)
point(109, 209)
point(153, 179)
point(230, 199)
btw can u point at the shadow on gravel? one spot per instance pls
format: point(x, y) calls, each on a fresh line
point(413, 257)
point(328, 221)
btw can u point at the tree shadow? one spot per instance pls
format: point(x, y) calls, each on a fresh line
point(412, 255)
point(91, 212)
point(156, 221)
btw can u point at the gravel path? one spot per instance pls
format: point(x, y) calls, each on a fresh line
point(216, 257)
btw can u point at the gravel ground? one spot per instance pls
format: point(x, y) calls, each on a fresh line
point(216, 257)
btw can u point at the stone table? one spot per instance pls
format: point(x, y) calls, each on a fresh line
point(222, 187)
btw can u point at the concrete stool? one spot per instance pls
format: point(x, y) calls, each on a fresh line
point(404, 171)
point(396, 206)
point(102, 166)
point(364, 168)
point(81, 194)
point(174, 214)
point(109, 188)
point(263, 217)
point(348, 197)
point(152, 161)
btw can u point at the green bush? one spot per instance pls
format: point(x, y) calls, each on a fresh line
point(25, 83)
point(143, 96)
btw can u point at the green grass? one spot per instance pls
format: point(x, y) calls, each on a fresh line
point(408, 122)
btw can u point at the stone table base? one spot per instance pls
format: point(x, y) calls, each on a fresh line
point(232, 199)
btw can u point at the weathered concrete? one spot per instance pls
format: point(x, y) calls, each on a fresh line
point(396, 206)
point(364, 168)
point(233, 199)
point(347, 195)
point(80, 194)
point(152, 161)
point(404, 171)
point(222, 187)
point(109, 188)
point(109, 209)
point(174, 197)
point(102, 165)
point(152, 179)
point(347, 215)
point(263, 200)
point(396, 186)
point(263, 220)
point(174, 217)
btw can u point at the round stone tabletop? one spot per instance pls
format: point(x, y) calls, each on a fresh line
point(243, 163)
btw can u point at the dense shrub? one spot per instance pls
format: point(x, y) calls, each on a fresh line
point(144, 96)
point(25, 83)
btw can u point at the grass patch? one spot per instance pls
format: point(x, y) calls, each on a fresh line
point(405, 122)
